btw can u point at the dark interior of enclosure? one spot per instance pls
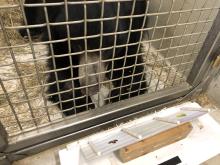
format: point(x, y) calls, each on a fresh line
point(89, 54)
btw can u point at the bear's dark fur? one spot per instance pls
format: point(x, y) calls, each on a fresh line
point(126, 68)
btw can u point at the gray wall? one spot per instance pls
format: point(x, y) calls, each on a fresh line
point(182, 31)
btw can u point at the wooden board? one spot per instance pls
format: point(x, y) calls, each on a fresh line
point(154, 142)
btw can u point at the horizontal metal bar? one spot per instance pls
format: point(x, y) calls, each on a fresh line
point(90, 2)
point(16, 27)
point(77, 126)
point(92, 50)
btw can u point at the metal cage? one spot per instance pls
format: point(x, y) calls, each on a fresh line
point(178, 43)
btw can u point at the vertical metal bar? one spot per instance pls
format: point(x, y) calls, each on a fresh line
point(126, 49)
point(207, 53)
point(194, 30)
point(69, 52)
point(17, 70)
point(115, 41)
point(100, 51)
point(34, 59)
point(152, 36)
point(161, 43)
point(52, 54)
point(185, 27)
point(140, 41)
point(86, 52)
point(138, 50)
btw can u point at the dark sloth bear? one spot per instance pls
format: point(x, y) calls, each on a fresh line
point(117, 25)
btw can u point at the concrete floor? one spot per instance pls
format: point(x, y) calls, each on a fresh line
point(213, 161)
point(48, 157)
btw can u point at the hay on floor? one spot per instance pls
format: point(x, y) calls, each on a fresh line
point(32, 81)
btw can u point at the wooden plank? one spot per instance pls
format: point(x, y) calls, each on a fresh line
point(154, 142)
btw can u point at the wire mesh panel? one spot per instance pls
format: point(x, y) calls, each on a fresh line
point(62, 57)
